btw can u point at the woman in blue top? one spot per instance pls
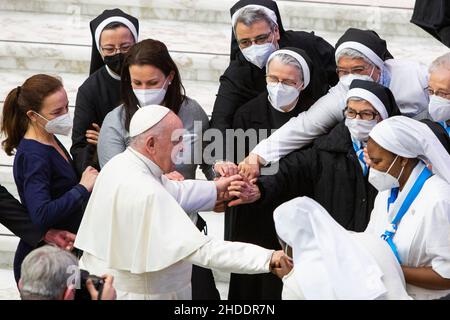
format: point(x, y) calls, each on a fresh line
point(47, 183)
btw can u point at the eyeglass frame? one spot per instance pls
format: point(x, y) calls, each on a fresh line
point(120, 49)
point(373, 113)
point(283, 83)
point(264, 37)
point(352, 70)
point(431, 92)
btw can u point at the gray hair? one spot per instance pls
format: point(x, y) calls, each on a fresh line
point(249, 16)
point(154, 131)
point(353, 54)
point(288, 60)
point(442, 62)
point(45, 273)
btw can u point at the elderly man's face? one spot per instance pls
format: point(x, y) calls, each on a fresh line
point(349, 65)
point(169, 143)
point(259, 33)
point(439, 83)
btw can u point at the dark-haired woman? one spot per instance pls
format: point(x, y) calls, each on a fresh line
point(46, 180)
point(113, 33)
point(150, 76)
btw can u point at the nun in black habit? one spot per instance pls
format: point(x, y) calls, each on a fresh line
point(243, 80)
point(263, 114)
point(433, 16)
point(100, 93)
point(329, 171)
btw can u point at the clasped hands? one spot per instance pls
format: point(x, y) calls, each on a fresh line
point(234, 187)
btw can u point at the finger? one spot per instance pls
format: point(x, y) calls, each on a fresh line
point(96, 127)
point(90, 141)
point(235, 194)
point(253, 181)
point(91, 289)
point(235, 188)
point(70, 236)
point(235, 203)
point(238, 183)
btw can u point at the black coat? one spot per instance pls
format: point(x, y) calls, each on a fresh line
point(257, 114)
point(328, 172)
point(97, 96)
point(243, 81)
point(433, 16)
point(15, 217)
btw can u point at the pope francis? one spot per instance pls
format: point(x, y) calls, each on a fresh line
point(135, 228)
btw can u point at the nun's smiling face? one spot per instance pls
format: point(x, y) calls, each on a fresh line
point(116, 40)
point(349, 65)
point(258, 32)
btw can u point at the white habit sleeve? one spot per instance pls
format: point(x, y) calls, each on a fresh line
point(236, 257)
point(192, 195)
point(303, 129)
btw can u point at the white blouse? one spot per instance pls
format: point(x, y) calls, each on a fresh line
point(423, 235)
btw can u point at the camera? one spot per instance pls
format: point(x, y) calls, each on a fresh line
point(82, 293)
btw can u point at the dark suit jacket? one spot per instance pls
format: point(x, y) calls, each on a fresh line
point(15, 217)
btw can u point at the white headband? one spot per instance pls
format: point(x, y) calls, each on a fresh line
point(299, 58)
point(107, 21)
point(370, 97)
point(364, 50)
point(269, 13)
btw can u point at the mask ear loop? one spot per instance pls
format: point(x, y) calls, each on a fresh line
point(390, 167)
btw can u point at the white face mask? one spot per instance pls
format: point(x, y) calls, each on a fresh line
point(383, 180)
point(60, 125)
point(360, 129)
point(148, 97)
point(439, 108)
point(259, 53)
point(347, 79)
point(281, 95)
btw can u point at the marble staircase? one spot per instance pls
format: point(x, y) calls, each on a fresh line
point(52, 36)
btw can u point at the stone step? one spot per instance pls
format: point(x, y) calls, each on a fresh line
point(57, 43)
point(334, 16)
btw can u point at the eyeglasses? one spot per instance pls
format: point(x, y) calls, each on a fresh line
point(109, 50)
point(272, 80)
point(364, 115)
point(355, 70)
point(438, 93)
point(261, 39)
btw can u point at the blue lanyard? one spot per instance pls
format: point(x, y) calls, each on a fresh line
point(445, 126)
point(360, 154)
point(388, 235)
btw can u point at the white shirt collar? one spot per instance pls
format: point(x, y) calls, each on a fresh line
point(112, 73)
point(153, 167)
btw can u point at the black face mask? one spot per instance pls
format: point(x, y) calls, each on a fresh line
point(115, 62)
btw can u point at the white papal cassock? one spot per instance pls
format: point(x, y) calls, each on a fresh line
point(135, 229)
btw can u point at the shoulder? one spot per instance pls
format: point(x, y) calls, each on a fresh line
point(31, 153)
point(436, 191)
point(190, 108)
point(405, 66)
point(114, 117)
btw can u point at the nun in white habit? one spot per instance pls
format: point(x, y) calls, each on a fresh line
point(331, 262)
point(412, 208)
point(366, 57)
point(135, 229)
